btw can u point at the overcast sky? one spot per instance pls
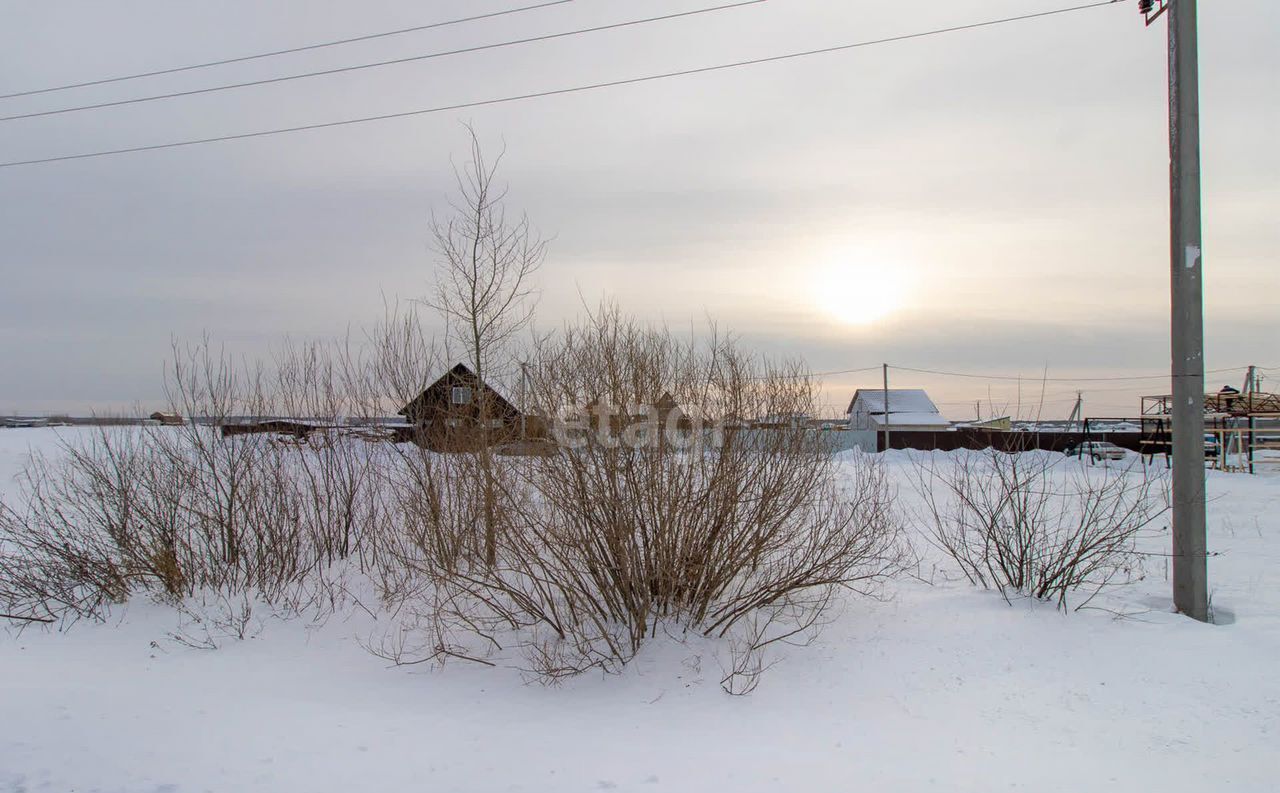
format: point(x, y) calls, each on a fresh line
point(992, 201)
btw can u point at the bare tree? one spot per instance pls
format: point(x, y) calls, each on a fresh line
point(484, 290)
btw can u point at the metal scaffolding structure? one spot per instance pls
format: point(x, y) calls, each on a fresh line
point(1242, 428)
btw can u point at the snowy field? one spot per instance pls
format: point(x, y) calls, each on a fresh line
point(940, 686)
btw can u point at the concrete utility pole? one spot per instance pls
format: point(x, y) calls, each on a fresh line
point(886, 406)
point(1077, 412)
point(1190, 575)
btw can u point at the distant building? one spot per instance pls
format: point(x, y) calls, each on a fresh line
point(459, 411)
point(167, 418)
point(781, 420)
point(827, 424)
point(1001, 424)
point(909, 409)
point(798, 421)
point(14, 422)
point(292, 427)
point(665, 411)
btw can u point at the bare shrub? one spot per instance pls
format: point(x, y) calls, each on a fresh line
point(700, 526)
point(1032, 524)
point(124, 512)
point(176, 511)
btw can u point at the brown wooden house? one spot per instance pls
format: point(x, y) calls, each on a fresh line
point(459, 411)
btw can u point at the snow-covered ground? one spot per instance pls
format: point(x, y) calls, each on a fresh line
point(938, 687)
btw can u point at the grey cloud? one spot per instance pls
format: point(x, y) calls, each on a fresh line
point(1025, 161)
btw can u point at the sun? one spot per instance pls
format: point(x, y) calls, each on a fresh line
point(857, 290)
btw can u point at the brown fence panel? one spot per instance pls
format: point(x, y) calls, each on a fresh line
point(977, 438)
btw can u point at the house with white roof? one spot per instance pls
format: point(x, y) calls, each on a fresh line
point(909, 409)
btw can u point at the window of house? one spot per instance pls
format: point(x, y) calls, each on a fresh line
point(495, 423)
point(461, 395)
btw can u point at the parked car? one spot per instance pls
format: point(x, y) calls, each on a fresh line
point(1096, 451)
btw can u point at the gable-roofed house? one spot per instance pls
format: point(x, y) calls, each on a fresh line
point(909, 409)
point(459, 411)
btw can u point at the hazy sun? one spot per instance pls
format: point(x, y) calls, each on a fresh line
point(854, 290)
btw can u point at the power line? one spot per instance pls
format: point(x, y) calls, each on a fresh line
point(557, 91)
point(1032, 400)
point(1033, 379)
point(1030, 381)
point(379, 64)
point(799, 375)
point(1129, 389)
point(274, 53)
point(842, 371)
